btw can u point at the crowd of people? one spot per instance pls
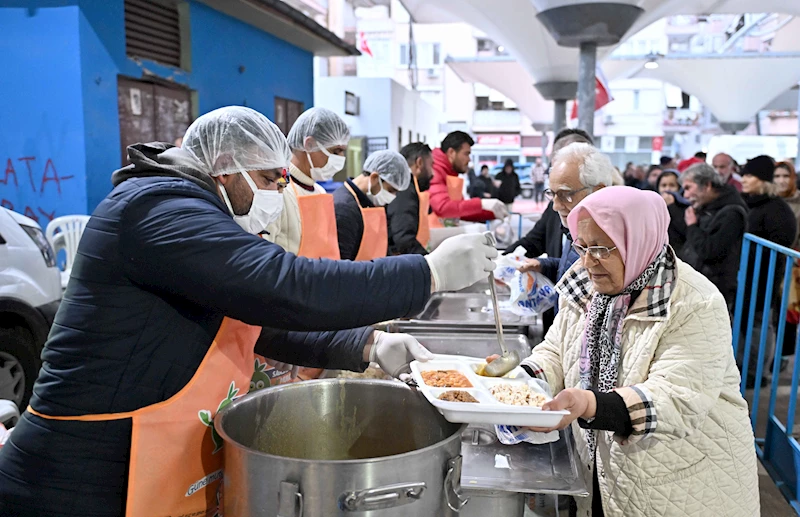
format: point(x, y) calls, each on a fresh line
point(710, 207)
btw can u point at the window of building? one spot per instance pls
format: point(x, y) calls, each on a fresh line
point(153, 31)
point(481, 103)
point(437, 50)
point(636, 95)
point(286, 113)
point(404, 54)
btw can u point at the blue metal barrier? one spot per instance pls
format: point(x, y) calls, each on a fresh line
point(778, 449)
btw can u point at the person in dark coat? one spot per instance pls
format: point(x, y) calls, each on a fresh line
point(550, 234)
point(715, 223)
point(402, 214)
point(772, 219)
point(670, 189)
point(510, 187)
point(165, 257)
point(482, 186)
point(385, 173)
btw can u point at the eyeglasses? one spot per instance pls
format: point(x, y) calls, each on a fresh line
point(597, 252)
point(563, 195)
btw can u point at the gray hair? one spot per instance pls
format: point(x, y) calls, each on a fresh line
point(703, 174)
point(594, 167)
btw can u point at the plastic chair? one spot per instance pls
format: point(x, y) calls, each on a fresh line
point(65, 233)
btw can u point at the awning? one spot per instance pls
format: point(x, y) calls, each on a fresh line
point(287, 23)
point(507, 76)
point(733, 88)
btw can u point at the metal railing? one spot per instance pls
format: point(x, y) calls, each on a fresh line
point(776, 446)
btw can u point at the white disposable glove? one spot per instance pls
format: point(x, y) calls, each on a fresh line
point(284, 367)
point(462, 260)
point(394, 352)
point(497, 207)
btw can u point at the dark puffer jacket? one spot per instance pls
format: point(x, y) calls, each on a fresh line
point(713, 245)
point(159, 266)
point(770, 218)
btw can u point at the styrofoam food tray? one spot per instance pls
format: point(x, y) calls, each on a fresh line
point(488, 410)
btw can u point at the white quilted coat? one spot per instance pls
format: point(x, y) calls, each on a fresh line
point(700, 461)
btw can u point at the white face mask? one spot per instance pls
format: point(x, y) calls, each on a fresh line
point(382, 198)
point(335, 164)
point(266, 208)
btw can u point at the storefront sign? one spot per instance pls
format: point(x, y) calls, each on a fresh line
point(499, 140)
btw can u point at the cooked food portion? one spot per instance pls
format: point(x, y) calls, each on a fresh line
point(457, 396)
point(517, 395)
point(445, 379)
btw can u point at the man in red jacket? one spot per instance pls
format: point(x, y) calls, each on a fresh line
point(447, 199)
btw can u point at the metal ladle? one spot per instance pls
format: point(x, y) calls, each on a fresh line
point(508, 361)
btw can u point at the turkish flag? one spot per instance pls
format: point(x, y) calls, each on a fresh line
point(363, 46)
point(602, 93)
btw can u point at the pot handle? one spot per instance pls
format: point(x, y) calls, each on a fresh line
point(290, 500)
point(452, 484)
point(380, 498)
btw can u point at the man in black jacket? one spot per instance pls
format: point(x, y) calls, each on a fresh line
point(402, 214)
point(716, 223)
point(549, 235)
point(385, 173)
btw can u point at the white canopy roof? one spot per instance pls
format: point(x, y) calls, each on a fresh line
point(733, 88)
point(507, 76)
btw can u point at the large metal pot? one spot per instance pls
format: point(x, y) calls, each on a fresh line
point(339, 447)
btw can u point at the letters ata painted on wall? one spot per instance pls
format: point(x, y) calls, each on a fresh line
point(32, 186)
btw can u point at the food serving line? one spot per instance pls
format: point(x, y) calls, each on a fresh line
point(370, 447)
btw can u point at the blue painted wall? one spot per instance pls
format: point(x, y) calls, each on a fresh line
point(272, 67)
point(59, 91)
point(42, 157)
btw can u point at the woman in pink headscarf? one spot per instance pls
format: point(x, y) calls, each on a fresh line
point(640, 354)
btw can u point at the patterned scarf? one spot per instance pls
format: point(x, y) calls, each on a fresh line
point(601, 343)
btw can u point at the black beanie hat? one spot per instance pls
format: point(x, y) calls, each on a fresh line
point(762, 167)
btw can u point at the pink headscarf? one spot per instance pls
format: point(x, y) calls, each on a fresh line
point(635, 220)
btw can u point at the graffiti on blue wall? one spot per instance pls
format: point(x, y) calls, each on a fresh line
point(27, 178)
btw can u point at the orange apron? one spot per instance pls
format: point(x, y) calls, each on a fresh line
point(317, 240)
point(455, 191)
point(375, 239)
point(176, 455)
point(423, 228)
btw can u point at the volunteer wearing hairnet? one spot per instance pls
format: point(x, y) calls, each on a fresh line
point(318, 140)
point(360, 206)
point(157, 328)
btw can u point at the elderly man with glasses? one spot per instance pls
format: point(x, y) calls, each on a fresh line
point(578, 170)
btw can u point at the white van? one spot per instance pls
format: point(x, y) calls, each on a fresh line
point(30, 292)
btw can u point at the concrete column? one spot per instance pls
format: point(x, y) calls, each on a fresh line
point(559, 92)
point(587, 93)
point(559, 115)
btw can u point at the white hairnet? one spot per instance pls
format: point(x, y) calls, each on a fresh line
point(391, 167)
point(236, 139)
point(324, 126)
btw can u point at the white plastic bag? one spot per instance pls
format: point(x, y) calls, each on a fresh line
point(531, 293)
point(512, 435)
point(507, 265)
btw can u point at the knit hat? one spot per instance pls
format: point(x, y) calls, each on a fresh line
point(685, 164)
point(762, 167)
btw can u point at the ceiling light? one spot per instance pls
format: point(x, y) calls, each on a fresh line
point(501, 48)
